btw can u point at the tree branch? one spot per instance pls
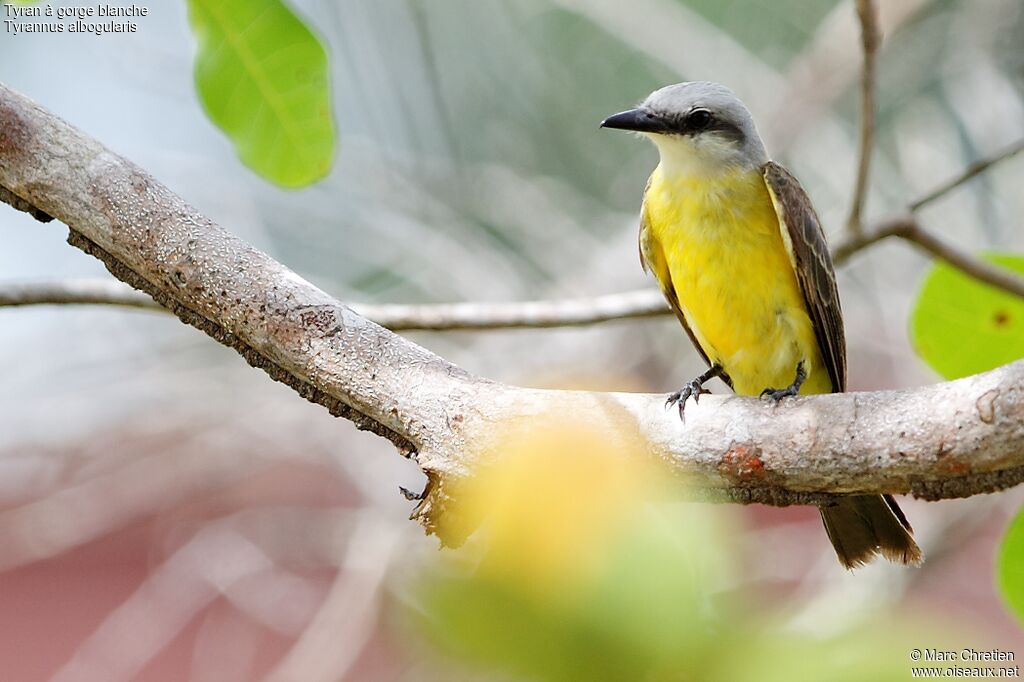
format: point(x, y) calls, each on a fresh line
point(151, 239)
point(972, 170)
point(822, 72)
point(949, 440)
point(548, 313)
point(975, 267)
point(867, 13)
point(568, 312)
point(908, 229)
point(75, 292)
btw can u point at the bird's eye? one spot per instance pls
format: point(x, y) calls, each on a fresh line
point(698, 119)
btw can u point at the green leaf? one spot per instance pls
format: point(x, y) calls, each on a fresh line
point(262, 77)
point(1010, 566)
point(961, 326)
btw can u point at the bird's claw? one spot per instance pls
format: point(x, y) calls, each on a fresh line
point(692, 388)
point(777, 394)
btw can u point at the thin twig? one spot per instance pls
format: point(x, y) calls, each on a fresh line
point(478, 316)
point(74, 291)
point(867, 13)
point(975, 267)
point(520, 314)
point(570, 312)
point(908, 229)
point(979, 166)
point(824, 69)
point(566, 312)
point(397, 317)
point(893, 227)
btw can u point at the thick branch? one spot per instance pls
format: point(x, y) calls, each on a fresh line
point(151, 239)
point(949, 440)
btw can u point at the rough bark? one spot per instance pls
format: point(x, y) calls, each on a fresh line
point(949, 440)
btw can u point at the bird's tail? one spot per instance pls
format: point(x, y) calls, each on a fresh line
point(861, 526)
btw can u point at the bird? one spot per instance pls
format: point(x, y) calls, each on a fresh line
point(740, 255)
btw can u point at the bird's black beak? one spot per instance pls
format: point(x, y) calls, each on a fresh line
point(639, 120)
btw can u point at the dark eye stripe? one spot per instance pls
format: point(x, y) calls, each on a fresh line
point(727, 129)
point(681, 124)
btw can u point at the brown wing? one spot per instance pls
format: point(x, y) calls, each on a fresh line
point(652, 258)
point(801, 231)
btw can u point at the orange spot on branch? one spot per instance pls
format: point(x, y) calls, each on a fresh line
point(743, 464)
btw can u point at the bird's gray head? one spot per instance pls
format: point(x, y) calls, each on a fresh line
point(697, 126)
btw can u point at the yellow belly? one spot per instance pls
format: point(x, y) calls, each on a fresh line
point(722, 253)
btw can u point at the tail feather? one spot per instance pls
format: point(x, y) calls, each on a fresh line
point(862, 526)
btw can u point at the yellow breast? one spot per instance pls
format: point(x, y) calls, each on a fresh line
point(717, 244)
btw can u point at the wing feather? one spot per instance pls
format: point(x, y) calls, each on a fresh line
point(808, 251)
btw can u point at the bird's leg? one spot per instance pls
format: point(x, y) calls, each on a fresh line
point(778, 394)
point(693, 388)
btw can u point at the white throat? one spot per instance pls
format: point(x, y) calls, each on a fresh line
point(702, 156)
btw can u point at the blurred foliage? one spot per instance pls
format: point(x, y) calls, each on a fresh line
point(580, 573)
point(961, 326)
point(474, 170)
point(1010, 566)
point(262, 77)
point(776, 31)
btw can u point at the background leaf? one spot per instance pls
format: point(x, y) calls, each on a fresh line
point(1010, 566)
point(961, 326)
point(262, 77)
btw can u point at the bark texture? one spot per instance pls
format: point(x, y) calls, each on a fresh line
point(949, 440)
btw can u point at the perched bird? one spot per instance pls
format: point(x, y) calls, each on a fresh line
point(740, 255)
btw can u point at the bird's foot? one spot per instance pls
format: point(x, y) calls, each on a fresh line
point(693, 388)
point(777, 394)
